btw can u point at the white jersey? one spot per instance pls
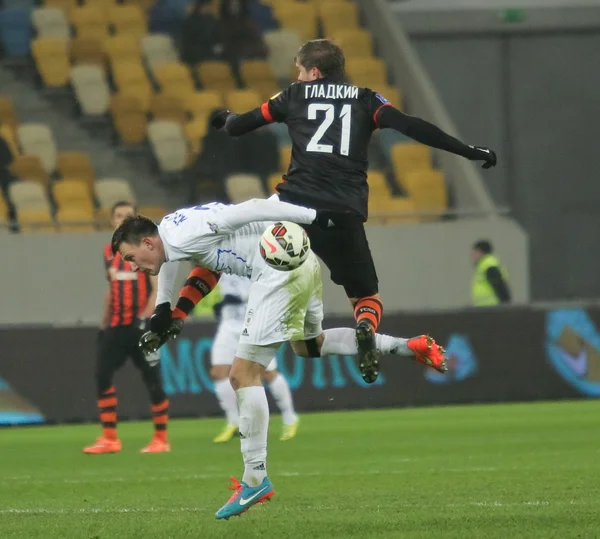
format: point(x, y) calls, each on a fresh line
point(233, 285)
point(222, 238)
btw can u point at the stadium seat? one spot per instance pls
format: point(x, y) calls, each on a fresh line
point(76, 166)
point(143, 4)
point(242, 187)
point(15, 32)
point(37, 139)
point(356, 42)
point(89, 51)
point(243, 100)
point(29, 168)
point(168, 144)
point(76, 219)
point(123, 48)
point(367, 72)
point(130, 79)
point(128, 19)
point(428, 190)
point(216, 76)
point(286, 156)
point(51, 57)
point(298, 17)
point(3, 214)
point(174, 79)
point(35, 220)
point(283, 46)
point(72, 194)
point(101, 3)
point(111, 190)
point(50, 22)
point(156, 213)
point(8, 134)
point(64, 5)
point(129, 118)
point(195, 131)
point(168, 107)
point(32, 206)
point(378, 185)
point(90, 22)
point(392, 210)
point(258, 75)
point(91, 89)
point(273, 181)
point(410, 157)
point(336, 16)
point(203, 102)
point(159, 49)
point(8, 115)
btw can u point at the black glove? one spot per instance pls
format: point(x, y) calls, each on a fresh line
point(161, 319)
point(151, 342)
point(480, 153)
point(219, 118)
point(330, 218)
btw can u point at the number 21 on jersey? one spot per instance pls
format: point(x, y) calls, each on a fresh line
point(315, 144)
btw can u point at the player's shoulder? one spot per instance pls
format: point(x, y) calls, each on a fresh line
point(189, 224)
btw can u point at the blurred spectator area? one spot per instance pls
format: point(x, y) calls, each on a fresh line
point(154, 72)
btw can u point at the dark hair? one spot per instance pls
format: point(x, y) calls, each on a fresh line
point(484, 246)
point(325, 55)
point(122, 204)
point(132, 230)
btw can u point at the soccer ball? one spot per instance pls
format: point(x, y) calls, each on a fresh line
point(284, 246)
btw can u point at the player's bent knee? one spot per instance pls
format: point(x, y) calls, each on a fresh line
point(220, 372)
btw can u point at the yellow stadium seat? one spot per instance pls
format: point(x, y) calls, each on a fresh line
point(356, 42)
point(88, 51)
point(257, 73)
point(388, 209)
point(8, 134)
point(336, 16)
point(72, 193)
point(410, 157)
point(127, 19)
point(129, 118)
point(52, 60)
point(378, 184)
point(367, 72)
point(101, 3)
point(301, 18)
point(78, 166)
point(143, 4)
point(167, 107)
point(130, 79)
point(243, 100)
point(123, 48)
point(216, 76)
point(195, 131)
point(273, 181)
point(156, 213)
point(65, 5)
point(8, 116)
point(76, 219)
point(35, 220)
point(285, 153)
point(3, 213)
point(30, 168)
point(203, 103)
point(174, 78)
point(89, 21)
point(428, 189)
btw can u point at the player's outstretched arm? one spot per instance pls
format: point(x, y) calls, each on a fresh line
point(239, 124)
point(431, 135)
point(198, 285)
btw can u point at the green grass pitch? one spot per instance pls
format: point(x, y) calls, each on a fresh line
point(505, 471)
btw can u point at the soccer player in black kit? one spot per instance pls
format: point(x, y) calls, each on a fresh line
point(330, 123)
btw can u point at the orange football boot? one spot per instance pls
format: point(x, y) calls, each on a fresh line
point(157, 445)
point(103, 445)
point(428, 352)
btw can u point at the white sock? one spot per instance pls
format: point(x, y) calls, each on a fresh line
point(254, 425)
point(283, 397)
point(342, 341)
point(227, 400)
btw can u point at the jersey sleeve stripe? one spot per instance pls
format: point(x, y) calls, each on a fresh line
point(377, 112)
point(264, 109)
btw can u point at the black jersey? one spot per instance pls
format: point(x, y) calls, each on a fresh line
point(330, 125)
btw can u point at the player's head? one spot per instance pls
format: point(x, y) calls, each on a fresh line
point(320, 58)
point(138, 242)
point(120, 211)
point(481, 248)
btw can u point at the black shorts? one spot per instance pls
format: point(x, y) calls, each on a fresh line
point(116, 344)
point(345, 251)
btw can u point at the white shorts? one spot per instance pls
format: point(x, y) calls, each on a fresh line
point(226, 341)
point(283, 306)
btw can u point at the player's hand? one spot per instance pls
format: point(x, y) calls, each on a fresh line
point(330, 218)
point(219, 119)
point(161, 319)
point(480, 153)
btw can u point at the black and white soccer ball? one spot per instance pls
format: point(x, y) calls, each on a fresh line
point(284, 246)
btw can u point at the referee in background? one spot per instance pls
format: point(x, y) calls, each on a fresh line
point(128, 305)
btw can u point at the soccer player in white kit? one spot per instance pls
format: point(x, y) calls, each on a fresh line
point(282, 306)
point(232, 310)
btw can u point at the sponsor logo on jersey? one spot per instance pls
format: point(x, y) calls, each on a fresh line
point(245, 332)
point(382, 99)
point(275, 96)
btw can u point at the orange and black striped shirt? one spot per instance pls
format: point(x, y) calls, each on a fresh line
point(129, 290)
